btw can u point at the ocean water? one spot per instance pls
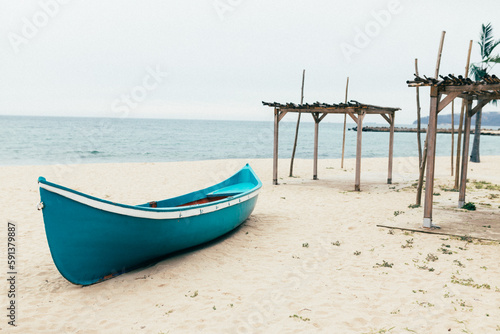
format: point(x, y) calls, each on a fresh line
point(71, 140)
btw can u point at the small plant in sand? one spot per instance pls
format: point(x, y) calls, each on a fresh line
point(469, 206)
point(305, 244)
point(420, 290)
point(357, 253)
point(336, 243)
point(397, 213)
point(193, 295)
point(469, 282)
point(424, 304)
point(485, 185)
point(431, 257)
point(462, 304)
point(437, 194)
point(409, 244)
point(443, 188)
point(424, 267)
point(458, 263)
point(214, 308)
point(383, 264)
point(298, 317)
point(391, 231)
point(445, 249)
point(413, 206)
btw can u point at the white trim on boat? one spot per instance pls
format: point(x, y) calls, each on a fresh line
point(150, 214)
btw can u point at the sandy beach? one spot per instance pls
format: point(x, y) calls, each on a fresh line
point(309, 259)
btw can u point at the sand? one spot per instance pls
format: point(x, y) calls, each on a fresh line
point(309, 259)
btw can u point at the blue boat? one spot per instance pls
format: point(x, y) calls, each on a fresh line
point(92, 239)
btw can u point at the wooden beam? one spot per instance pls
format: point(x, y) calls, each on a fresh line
point(386, 118)
point(359, 138)
point(281, 115)
point(298, 123)
point(460, 126)
point(354, 118)
point(447, 100)
point(470, 88)
point(275, 151)
point(465, 155)
point(315, 162)
point(480, 104)
point(345, 123)
point(438, 62)
point(322, 116)
point(431, 158)
point(391, 149)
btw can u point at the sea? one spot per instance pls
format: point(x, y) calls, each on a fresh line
point(30, 140)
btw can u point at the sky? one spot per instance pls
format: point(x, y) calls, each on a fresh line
point(218, 59)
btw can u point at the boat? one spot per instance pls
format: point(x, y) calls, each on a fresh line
point(92, 239)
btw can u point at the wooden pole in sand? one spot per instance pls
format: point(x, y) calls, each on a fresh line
point(422, 157)
point(431, 144)
point(345, 122)
point(452, 133)
point(298, 122)
point(275, 150)
point(459, 138)
point(419, 143)
point(316, 139)
point(391, 147)
point(465, 155)
point(359, 134)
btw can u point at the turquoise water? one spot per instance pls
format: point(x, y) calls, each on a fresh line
point(67, 140)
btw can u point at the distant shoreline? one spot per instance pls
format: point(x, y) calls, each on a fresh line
point(484, 132)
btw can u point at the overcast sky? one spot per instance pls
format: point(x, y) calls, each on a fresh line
point(218, 59)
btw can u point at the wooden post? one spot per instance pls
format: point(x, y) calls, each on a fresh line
point(452, 133)
point(298, 122)
point(465, 154)
point(426, 145)
point(438, 63)
point(275, 151)
point(421, 175)
point(431, 157)
point(391, 147)
point(357, 181)
point(459, 138)
point(419, 143)
point(345, 123)
point(316, 131)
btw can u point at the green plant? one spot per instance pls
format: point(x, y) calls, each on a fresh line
point(413, 206)
point(431, 257)
point(397, 213)
point(469, 206)
point(409, 244)
point(336, 243)
point(295, 316)
point(357, 253)
point(479, 70)
point(384, 264)
point(306, 245)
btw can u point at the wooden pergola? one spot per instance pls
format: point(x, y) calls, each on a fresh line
point(319, 111)
point(442, 92)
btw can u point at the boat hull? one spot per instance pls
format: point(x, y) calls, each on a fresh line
point(89, 244)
